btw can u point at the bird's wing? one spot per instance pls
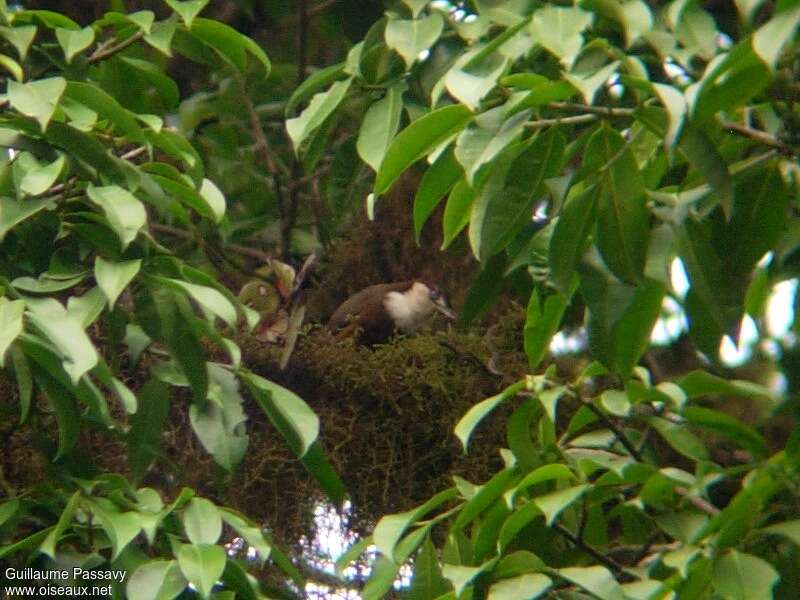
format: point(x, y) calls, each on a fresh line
point(368, 301)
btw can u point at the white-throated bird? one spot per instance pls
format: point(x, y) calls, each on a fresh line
point(379, 310)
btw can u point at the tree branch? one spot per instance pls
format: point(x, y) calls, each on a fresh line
point(598, 556)
point(759, 136)
point(618, 432)
point(105, 51)
point(697, 502)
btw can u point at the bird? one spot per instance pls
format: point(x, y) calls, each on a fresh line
point(375, 313)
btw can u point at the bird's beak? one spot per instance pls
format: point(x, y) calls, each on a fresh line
point(441, 305)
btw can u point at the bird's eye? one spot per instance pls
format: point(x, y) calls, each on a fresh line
point(435, 294)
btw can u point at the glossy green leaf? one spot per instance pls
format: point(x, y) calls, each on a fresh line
point(680, 438)
point(428, 581)
point(160, 36)
point(554, 503)
point(728, 426)
point(146, 426)
point(188, 9)
point(20, 37)
point(37, 99)
point(705, 157)
point(313, 83)
point(202, 565)
point(409, 38)
point(438, 179)
point(380, 126)
point(114, 277)
point(104, 104)
point(559, 30)
point(702, 383)
point(156, 580)
point(461, 576)
point(632, 332)
point(596, 579)
point(523, 587)
point(250, 531)
point(770, 38)
point(13, 212)
point(470, 81)
point(208, 298)
point(202, 521)
point(121, 527)
point(67, 335)
point(124, 211)
point(417, 140)
point(575, 222)
point(10, 324)
point(457, 211)
point(322, 106)
point(542, 322)
point(634, 16)
point(74, 41)
point(64, 520)
point(219, 423)
point(787, 529)
point(742, 576)
point(466, 425)
point(390, 528)
point(287, 411)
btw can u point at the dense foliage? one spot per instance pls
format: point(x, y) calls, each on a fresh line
point(634, 132)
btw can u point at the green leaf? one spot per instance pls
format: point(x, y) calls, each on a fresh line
point(417, 140)
point(588, 84)
point(634, 328)
point(66, 332)
point(542, 474)
point(485, 497)
point(622, 215)
point(13, 212)
point(379, 126)
point(680, 438)
point(103, 104)
point(160, 36)
point(121, 527)
point(291, 416)
point(22, 373)
point(505, 202)
point(64, 520)
point(320, 467)
point(676, 107)
point(12, 66)
point(20, 37)
point(568, 241)
point(38, 180)
point(597, 580)
point(202, 565)
point(634, 16)
point(382, 575)
point(219, 423)
point(742, 576)
point(124, 211)
point(250, 531)
point(559, 30)
point(466, 425)
point(427, 581)
point(207, 297)
point(788, 529)
point(214, 199)
point(187, 10)
point(702, 383)
point(10, 324)
point(485, 290)
point(486, 137)
point(438, 179)
point(772, 36)
point(314, 82)
point(409, 38)
point(390, 528)
point(553, 503)
point(728, 426)
point(146, 426)
point(114, 277)
point(461, 576)
point(470, 81)
point(457, 211)
point(523, 587)
point(705, 157)
point(542, 322)
point(37, 99)
point(202, 521)
point(228, 43)
point(322, 106)
point(156, 580)
point(73, 41)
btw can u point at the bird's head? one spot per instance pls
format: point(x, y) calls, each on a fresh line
point(409, 308)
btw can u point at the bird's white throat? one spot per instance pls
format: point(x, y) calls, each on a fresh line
point(409, 309)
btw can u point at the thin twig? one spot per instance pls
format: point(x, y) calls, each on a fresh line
point(104, 51)
point(697, 502)
point(188, 235)
point(618, 432)
point(759, 136)
point(541, 123)
point(588, 108)
point(597, 555)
